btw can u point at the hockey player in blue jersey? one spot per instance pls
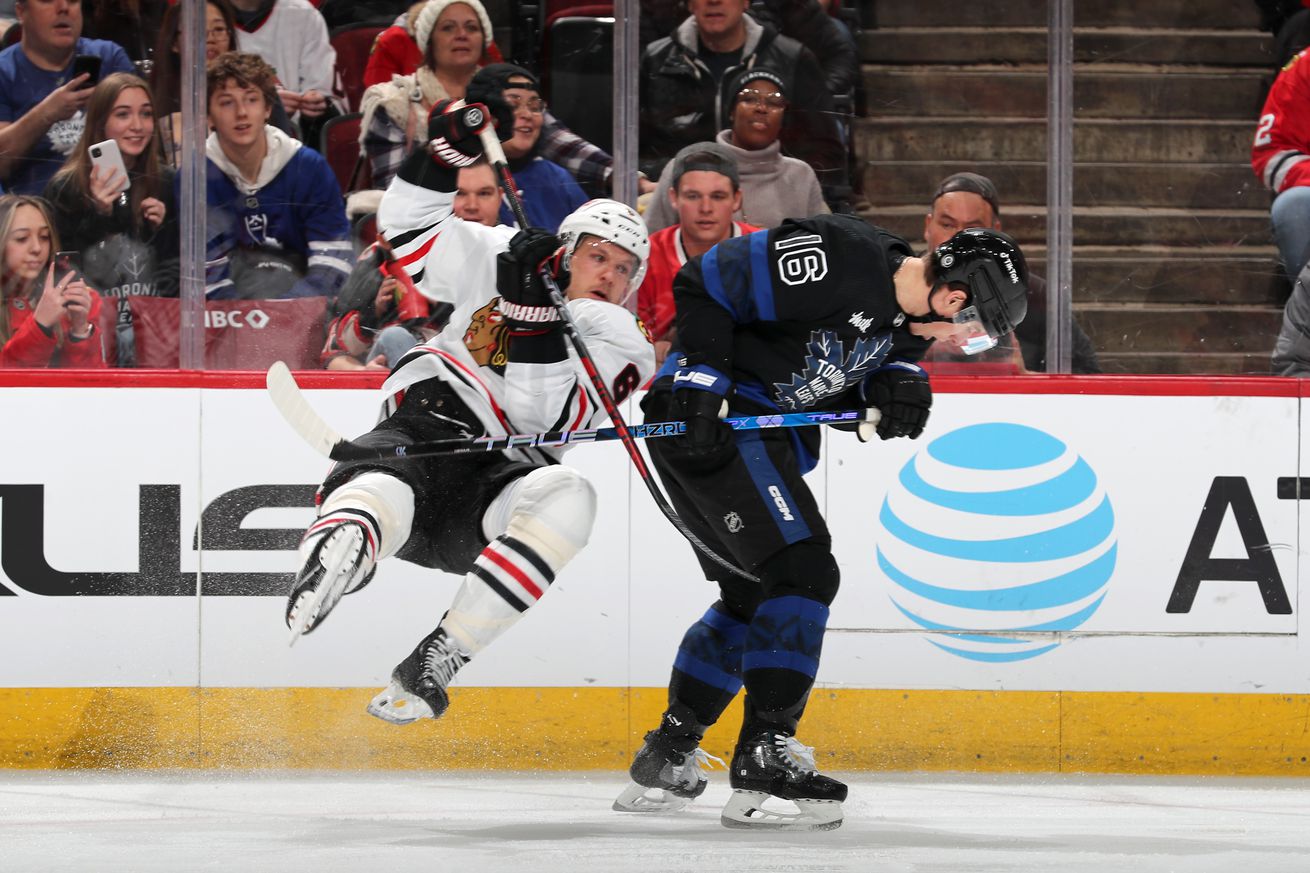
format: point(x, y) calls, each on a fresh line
point(820, 313)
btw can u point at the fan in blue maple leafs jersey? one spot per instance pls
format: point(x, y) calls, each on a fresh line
point(820, 313)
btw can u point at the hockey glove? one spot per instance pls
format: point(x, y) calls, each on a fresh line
point(452, 143)
point(533, 321)
point(703, 411)
point(901, 393)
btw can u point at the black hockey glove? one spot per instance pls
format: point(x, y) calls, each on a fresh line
point(452, 142)
point(901, 393)
point(533, 321)
point(703, 411)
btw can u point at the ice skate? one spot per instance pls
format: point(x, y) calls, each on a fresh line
point(338, 558)
point(418, 684)
point(772, 764)
point(666, 774)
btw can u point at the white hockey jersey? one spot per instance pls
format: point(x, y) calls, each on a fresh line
point(454, 261)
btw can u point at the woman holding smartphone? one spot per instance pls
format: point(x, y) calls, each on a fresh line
point(113, 201)
point(48, 319)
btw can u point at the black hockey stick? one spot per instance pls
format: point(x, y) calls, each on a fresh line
point(311, 427)
point(496, 155)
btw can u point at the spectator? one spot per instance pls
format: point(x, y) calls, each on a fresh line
point(166, 72)
point(277, 223)
point(46, 320)
point(773, 186)
point(965, 200)
point(548, 191)
point(125, 229)
point(456, 34)
point(130, 23)
point(704, 193)
point(41, 100)
point(809, 23)
point(293, 38)
point(1279, 157)
point(379, 318)
point(685, 79)
point(396, 51)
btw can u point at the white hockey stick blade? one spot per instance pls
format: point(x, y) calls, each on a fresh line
point(635, 798)
point(291, 403)
point(745, 811)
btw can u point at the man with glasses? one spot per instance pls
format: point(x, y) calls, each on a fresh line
point(822, 313)
point(548, 191)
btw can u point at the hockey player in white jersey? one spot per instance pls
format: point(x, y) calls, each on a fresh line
point(508, 522)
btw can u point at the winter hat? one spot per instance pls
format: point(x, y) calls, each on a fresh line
point(427, 19)
point(744, 78)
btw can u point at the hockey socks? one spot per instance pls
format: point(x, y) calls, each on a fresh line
point(707, 669)
point(782, 651)
point(506, 580)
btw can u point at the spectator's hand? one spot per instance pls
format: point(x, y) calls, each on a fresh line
point(65, 101)
point(645, 186)
point(385, 298)
point(378, 363)
point(153, 211)
point(50, 308)
point(661, 351)
point(290, 100)
point(77, 304)
point(106, 185)
point(312, 104)
point(901, 392)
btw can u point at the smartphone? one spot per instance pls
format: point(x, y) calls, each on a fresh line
point(65, 263)
point(89, 64)
point(106, 156)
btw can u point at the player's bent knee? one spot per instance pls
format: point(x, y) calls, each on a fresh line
point(553, 512)
point(806, 568)
point(386, 498)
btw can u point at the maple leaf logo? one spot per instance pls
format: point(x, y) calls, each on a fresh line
point(829, 370)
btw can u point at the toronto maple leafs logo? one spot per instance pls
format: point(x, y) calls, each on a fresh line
point(829, 370)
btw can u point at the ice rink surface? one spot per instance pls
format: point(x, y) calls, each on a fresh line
point(486, 823)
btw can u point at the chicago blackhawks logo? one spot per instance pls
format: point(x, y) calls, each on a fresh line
point(487, 337)
point(829, 370)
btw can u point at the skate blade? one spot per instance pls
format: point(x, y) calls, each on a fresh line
point(635, 799)
point(397, 706)
point(745, 811)
point(307, 614)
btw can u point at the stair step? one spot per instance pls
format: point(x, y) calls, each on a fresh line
point(976, 45)
point(1024, 139)
point(1174, 276)
point(1128, 92)
point(1186, 363)
point(1181, 186)
point(1186, 14)
point(1170, 328)
point(1096, 225)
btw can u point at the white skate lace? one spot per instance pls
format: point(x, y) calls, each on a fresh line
point(442, 661)
point(796, 753)
point(696, 763)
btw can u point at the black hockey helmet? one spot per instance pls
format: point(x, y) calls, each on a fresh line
point(990, 265)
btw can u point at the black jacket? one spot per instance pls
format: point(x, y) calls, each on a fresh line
point(682, 104)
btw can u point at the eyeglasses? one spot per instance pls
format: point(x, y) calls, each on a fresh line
point(535, 105)
point(214, 33)
point(753, 98)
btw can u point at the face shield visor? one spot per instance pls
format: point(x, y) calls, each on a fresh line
point(971, 334)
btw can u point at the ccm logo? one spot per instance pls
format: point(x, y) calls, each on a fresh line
point(255, 318)
point(780, 503)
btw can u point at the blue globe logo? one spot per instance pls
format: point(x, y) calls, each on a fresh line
point(998, 537)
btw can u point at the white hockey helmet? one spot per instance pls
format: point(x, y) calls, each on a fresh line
point(613, 222)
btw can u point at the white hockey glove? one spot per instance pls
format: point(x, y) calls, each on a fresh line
point(338, 555)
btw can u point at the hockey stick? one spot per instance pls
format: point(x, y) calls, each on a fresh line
point(294, 407)
point(496, 155)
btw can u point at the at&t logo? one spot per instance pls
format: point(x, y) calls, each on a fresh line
point(998, 536)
